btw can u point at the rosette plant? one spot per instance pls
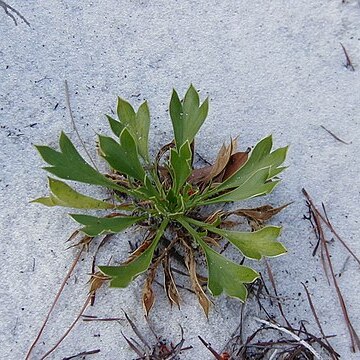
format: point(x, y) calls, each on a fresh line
point(170, 199)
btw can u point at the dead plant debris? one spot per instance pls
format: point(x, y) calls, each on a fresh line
point(318, 219)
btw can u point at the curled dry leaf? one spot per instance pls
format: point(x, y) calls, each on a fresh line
point(208, 173)
point(212, 240)
point(236, 161)
point(84, 241)
point(96, 281)
point(259, 214)
point(169, 284)
point(191, 266)
point(148, 297)
point(146, 243)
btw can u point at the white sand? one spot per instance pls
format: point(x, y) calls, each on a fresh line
point(269, 67)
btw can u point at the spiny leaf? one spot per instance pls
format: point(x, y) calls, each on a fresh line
point(95, 226)
point(180, 165)
point(224, 275)
point(187, 116)
point(122, 275)
point(122, 157)
point(68, 164)
point(255, 185)
point(254, 244)
point(63, 195)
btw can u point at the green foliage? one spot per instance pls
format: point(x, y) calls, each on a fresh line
point(168, 197)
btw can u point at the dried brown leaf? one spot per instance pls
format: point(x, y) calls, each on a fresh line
point(96, 281)
point(169, 284)
point(146, 243)
point(191, 266)
point(259, 214)
point(220, 163)
point(208, 173)
point(148, 297)
point(236, 161)
point(212, 240)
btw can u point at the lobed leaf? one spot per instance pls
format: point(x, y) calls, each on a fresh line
point(68, 164)
point(261, 157)
point(187, 116)
point(224, 275)
point(122, 275)
point(116, 126)
point(256, 185)
point(95, 226)
point(256, 244)
point(123, 156)
point(63, 195)
point(138, 124)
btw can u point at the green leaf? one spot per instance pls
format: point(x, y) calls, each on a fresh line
point(261, 157)
point(142, 130)
point(68, 164)
point(63, 195)
point(187, 116)
point(180, 165)
point(256, 185)
point(254, 244)
point(138, 124)
point(122, 275)
point(224, 275)
point(116, 126)
point(122, 157)
point(227, 276)
point(95, 226)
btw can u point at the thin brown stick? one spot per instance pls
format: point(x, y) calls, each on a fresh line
point(272, 280)
point(208, 346)
point(70, 271)
point(335, 136)
point(348, 64)
point(74, 125)
point(287, 331)
point(355, 340)
point(330, 226)
point(7, 7)
point(83, 353)
point(69, 329)
point(102, 319)
point(312, 307)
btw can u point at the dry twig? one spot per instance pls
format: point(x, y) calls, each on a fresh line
point(7, 7)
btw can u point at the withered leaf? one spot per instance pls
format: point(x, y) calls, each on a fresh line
point(259, 214)
point(212, 241)
point(208, 173)
point(191, 266)
point(169, 283)
point(148, 297)
point(163, 151)
point(96, 281)
point(236, 161)
point(146, 243)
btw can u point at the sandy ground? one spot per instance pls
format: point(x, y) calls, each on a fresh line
point(269, 67)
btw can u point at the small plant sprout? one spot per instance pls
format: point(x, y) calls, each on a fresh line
point(170, 199)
